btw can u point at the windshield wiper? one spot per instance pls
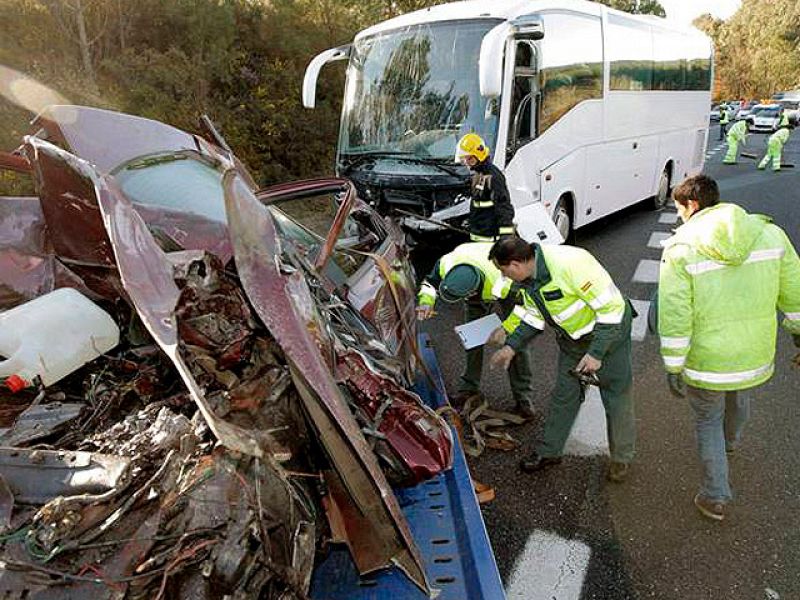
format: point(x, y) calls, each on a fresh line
point(442, 164)
point(359, 158)
point(151, 161)
point(354, 160)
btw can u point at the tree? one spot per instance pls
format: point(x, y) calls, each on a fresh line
point(74, 18)
point(757, 48)
point(637, 7)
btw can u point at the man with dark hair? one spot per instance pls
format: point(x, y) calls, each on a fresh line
point(567, 288)
point(467, 274)
point(701, 189)
point(724, 274)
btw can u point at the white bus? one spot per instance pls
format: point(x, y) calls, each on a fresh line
point(587, 109)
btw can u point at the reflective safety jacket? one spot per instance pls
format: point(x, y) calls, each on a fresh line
point(490, 213)
point(476, 254)
point(784, 119)
point(738, 132)
point(574, 293)
point(779, 138)
point(724, 119)
point(723, 276)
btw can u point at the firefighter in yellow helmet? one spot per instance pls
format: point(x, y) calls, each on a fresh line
point(491, 214)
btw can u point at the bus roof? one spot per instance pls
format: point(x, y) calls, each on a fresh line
point(507, 10)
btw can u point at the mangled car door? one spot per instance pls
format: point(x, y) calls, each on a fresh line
point(362, 255)
point(281, 297)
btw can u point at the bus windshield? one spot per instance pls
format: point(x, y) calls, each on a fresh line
point(414, 91)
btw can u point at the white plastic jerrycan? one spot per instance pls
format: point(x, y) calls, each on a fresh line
point(52, 336)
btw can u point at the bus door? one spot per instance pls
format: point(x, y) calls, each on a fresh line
point(523, 117)
point(522, 176)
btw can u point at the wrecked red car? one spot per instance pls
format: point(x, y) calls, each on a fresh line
point(281, 320)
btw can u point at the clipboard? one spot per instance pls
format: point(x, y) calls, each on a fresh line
point(476, 333)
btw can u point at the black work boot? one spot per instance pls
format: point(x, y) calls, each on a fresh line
point(534, 462)
point(618, 471)
point(525, 409)
point(460, 399)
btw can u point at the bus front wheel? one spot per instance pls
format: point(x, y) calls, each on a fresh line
point(662, 194)
point(563, 219)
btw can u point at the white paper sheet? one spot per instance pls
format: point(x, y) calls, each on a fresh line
point(477, 332)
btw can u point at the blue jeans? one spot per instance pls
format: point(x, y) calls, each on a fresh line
point(719, 420)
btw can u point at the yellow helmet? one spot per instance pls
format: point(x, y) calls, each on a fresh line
point(472, 145)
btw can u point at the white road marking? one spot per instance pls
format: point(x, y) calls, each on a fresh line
point(668, 217)
point(657, 237)
point(550, 568)
point(647, 271)
point(588, 436)
point(639, 325)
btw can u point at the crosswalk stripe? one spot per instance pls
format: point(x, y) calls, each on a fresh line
point(656, 238)
point(588, 436)
point(647, 271)
point(549, 568)
point(639, 325)
point(668, 218)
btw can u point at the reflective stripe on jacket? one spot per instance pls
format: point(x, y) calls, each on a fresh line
point(476, 254)
point(779, 138)
point(491, 213)
point(573, 292)
point(723, 276)
point(738, 131)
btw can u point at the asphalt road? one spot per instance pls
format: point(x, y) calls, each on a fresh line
point(568, 534)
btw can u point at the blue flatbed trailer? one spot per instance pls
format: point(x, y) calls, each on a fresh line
point(446, 523)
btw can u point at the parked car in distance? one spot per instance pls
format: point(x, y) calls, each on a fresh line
point(764, 117)
point(744, 111)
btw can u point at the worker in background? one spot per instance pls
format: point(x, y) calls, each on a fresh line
point(491, 214)
point(784, 119)
point(567, 288)
point(775, 146)
point(724, 275)
point(724, 119)
point(467, 274)
point(736, 134)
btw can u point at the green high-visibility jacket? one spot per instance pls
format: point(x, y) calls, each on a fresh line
point(738, 131)
point(779, 138)
point(724, 119)
point(573, 292)
point(723, 276)
point(476, 254)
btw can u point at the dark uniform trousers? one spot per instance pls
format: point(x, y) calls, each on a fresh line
point(520, 371)
point(616, 382)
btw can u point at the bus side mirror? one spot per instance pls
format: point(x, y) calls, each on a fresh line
point(492, 109)
point(490, 73)
point(528, 27)
point(313, 69)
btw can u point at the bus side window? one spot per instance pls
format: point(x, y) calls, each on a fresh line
point(522, 125)
point(571, 65)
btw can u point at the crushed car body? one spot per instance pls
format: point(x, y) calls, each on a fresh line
point(265, 365)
